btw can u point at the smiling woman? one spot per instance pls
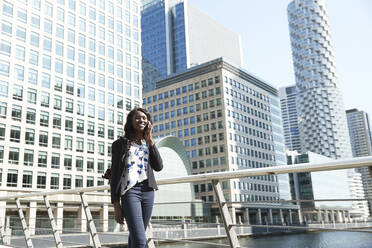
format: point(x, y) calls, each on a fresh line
point(134, 157)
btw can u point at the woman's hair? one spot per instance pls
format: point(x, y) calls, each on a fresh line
point(129, 132)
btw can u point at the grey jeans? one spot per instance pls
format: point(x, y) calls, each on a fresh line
point(137, 204)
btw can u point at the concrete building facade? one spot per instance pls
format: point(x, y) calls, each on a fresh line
point(224, 117)
point(65, 89)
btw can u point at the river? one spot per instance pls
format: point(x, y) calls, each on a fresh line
point(305, 240)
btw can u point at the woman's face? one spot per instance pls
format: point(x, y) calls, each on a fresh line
point(139, 121)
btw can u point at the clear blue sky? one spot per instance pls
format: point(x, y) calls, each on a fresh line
point(263, 27)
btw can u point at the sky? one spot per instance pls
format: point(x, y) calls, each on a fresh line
point(263, 28)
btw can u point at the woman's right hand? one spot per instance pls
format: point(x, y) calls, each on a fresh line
point(118, 213)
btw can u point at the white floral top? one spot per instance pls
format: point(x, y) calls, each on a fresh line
point(138, 156)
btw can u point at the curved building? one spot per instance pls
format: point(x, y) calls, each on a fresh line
point(180, 198)
point(321, 115)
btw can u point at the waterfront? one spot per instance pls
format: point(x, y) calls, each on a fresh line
point(304, 240)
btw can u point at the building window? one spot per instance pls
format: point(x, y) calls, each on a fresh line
point(54, 181)
point(41, 180)
point(67, 162)
point(57, 121)
point(79, 163)
point(13, 155)
point(79, 144)
point(12, 178)
point(2, 131)
point(44, 119)
point(28, 158)
point(42, 159)
point(90, 181)
point(43, 138)
point(100, 166)
point(68, 143)
point(90, 165)
point(27, 179)
point(16, 112)
point(15, 134)
point(66, 181)
point(78, 181)
point(56, 161)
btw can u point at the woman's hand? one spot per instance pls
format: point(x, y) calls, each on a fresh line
point(147, 134)
point(118, 213)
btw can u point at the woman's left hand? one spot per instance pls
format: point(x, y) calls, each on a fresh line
point(147, 134)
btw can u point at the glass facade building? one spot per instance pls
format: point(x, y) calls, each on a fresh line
point(69, 72)
point(225, 119)
point(288, 105)
point(176, 36)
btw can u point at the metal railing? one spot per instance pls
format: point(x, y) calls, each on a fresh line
point(215, 178)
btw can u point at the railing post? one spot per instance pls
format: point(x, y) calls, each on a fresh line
point(230, 232)
point(92, 227)
point(57, 238)
point(149, 238)
point(8, 232)
point(2, 219)
point(24, 225)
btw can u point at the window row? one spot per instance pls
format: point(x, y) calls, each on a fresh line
point(186, 132)
point(80, 39)
point(208, 163)
point(55, 180)
point(16, 114)
point(243, 87)
point(36, 59)
point(29, 134)
point(246, 119)
point(184, 90)
point(188, 120)
point(189, 99)
point(54, 162)
point(205, 151)
point(243, 162)
point(69, 69)
point(248, 110)
point(197, 107)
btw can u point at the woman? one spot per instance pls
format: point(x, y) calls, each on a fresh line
point(134, 157)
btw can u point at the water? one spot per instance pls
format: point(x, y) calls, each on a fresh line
point(304, 240)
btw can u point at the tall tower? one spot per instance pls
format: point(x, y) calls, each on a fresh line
point(176, 36)
point(322, 119)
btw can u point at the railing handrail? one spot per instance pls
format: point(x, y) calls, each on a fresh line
point(275, 170)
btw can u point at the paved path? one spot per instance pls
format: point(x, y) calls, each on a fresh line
point(72, 240)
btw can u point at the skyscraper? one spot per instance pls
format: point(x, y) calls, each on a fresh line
point(361, 145)
point(288, 104)
point(64, 79)
point(176, 36)
point(322, 119)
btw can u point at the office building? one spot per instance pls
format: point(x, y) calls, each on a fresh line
point(288, 104)
point(228, 120)
point(176, 36)
point(321, 115)
point(64, 83)
point(361, 145)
